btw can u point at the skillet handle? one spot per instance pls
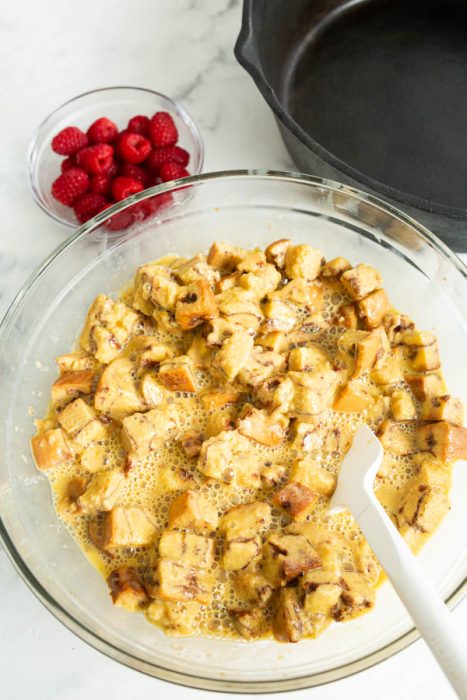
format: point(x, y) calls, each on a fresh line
point(429, 613)
point(246, 50)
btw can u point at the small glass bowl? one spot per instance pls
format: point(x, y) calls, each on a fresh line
point(116, 103)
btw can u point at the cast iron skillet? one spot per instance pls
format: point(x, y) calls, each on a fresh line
point(372, 93)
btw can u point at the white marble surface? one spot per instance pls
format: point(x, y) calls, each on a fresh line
point(49, 52)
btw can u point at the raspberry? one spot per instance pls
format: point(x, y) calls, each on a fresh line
point(162, 130)
point(103, 130)
point(101, 184)
point(69, 141)
point(172, 171)
point(133, 148)
point(123, 187)
point(139, 125)
point(121, 220)
point(89, 205)
point(167, 154)
point(68, 163)
point(70, 185)
point(113, 170)
point(136, 172)
point(96, 160)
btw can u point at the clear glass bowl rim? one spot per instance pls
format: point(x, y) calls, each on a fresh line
point(73, 624)
point(176, 107)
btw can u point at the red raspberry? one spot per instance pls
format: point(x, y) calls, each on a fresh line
point(172, 171)
point(89, 205)
point(133, 148)
point(162, 130)
point(121, 220)
point(103, 130)
point(139, 125)
point(70, 185)
point(101, 184)
point(123, 187)
point(96, 160)
point(69, 141)
point(113, 170)
point(136, 172)
point(167, 154)
point(68, 163)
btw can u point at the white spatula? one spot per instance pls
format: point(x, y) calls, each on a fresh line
point(431, 616)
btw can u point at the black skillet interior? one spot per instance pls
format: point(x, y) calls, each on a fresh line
point(381, 85)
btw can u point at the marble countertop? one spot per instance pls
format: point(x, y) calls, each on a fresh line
point(50, 52)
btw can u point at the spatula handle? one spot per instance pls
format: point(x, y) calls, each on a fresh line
point(429, 613)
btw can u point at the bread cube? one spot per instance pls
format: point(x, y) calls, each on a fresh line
point(308, 437)
point(275, 340)
point(80, 422)
point(352, 399)
point(224, 256)
point(192, 511)
point(357, 597)
point(304, 359)
point(445, 441)
point(249, 623)
point(396, 438)
point(199, 352)
point(276, 392)
point(117, 393)
point(228, 458)
point(176, 618)
point(346, 316)
point(108, 328)
point(396, 325)
point(187, 548)
point(95, 458)
point(194, 269)
point(263, 427)
point(155, 287)
point(102, 492)
point(426, 386)
point(221, 420)
point(323, 599)
point(275, 252)
point(301, 292)
point(182, 583)
point(232, 356)
point(50, 449)
point(444, 408)
point(335, 267)
point(373, 308)
point(196, 304)
point(70, 385)
point(287, 556)
point(424, 506)
point(151, 391)
point(253, 587)
point(367, 564)
point(191, 443)
point(316, 478)
point(361, 281)
point(422, 350)
point(245, 520)
point(296, 499)
point(239, 552)
point(261, 282)
point(127, 527)
point(303, 261)
point(227, 282)
point(178, 375)
point(402, 406)
point(145, 432)
point(359, 351)
point(126, 589)
point(271, 474)
point(214, 400)
point(279, 315)
point(313, 392)
point(260, 365)
point(289, 623)
point(75, 361)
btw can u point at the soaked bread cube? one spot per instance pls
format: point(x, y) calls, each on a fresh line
point(260, 365)
point(313, 392)
point(145, 432)
point(445, 441)
point(240, 307)
point(287, 556)
point(80, 421)
point(178, 375)
point(117, 392)
point(335, 267)
point(108, 328)
point(127, 527)
point(224, 256)
point(322, 599)
point(50, 449)
point(260, 283)
point(187, 548)
point(426, 386)
point(196, 304)
point(95, 458)
point(275, 340)
point(75, 361)
point(422, 350)
point(290, 623)
point(356, 598)
point(303, 261)
point(247, 519)
point(183, 583)
point(301, 292)
point(360, 351)
point(304, 359)
point(275, 252)
point(402, 406)
point(239, 552)
point(175, 617)
point(218, 421)
point(70, 385)
point(228, 458)
point(353, 398)
point(271, 474)
point(395, 325)
point(151, 391)
point(154, 287)
point(296, 499)
point(373, 308)
point(232, 356)
point(249, 623)
point(316, 478)
point(214, 400)
point(361, 281)
point(126, 589)
point(423, 506)
point(191, 443)
point(396, 438)
point(444, 408)
point(194, 269)
point(253, 587)
point(346, 316)
point(308, 437)
point(367, 564)
point(261, 426)
point(102, 492)
point(279, 315)
point(192, 511)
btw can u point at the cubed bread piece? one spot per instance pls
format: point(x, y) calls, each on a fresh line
point(239, 552)
point(95, 458)
point(187, 548)
point(367, 564)
point(271, 474)
point(191, 511)
point(152, 392)
point(145, 432)
point(353, 398)
point(253, 587)
point(108, 327)
point(67, 506)
point(356, 598)
point(275, 340)
point(331, 547)
point(183, 583)
point(71, 384)
point(175, 617)
point(194, 269)
point(249, 623)
point(346, 316)
point(426, 386)
point(402, 406)
point(220, 420)
point(75, 361)
point(275, 252)
point(191, 443)
point(178, 375)
point(373, 308)
point(431, 472)
point(127, 589)
point(303, 261)
point(296, 499)
point(214, 400)
point(245, 520)
point(260, 365)
point(232, 356)
point(308, 358)
point(422, 350)
point(323, 599)
point(178, 479)
point(227, 282)
point(80, 422)
point(224, 256)
point(396, 438)
point(261, 426)
point(313, 392)
point(155, 287)
point(199, 352)
point(240, 307)
point(117, 393)
point(228, 458)
point(335, 267)
point(150, 353)
point(395, 325)
point(276, 392)
point(261, 282)
point(314, 578)
point(388, 372)
point(50, 449)
point(127, 527)
point(361, 281)
point(279, 315)
point(102, 492)
point(316, 478)
point(287, 556)
point(301, 292)
point(253, 261)
point(423, 506)
point(445, 407)
point(289, 623)
point(196, 304)
point(445, 441)
point(308, 437)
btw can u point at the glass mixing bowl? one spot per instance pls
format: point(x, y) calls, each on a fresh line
point(424, 279)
